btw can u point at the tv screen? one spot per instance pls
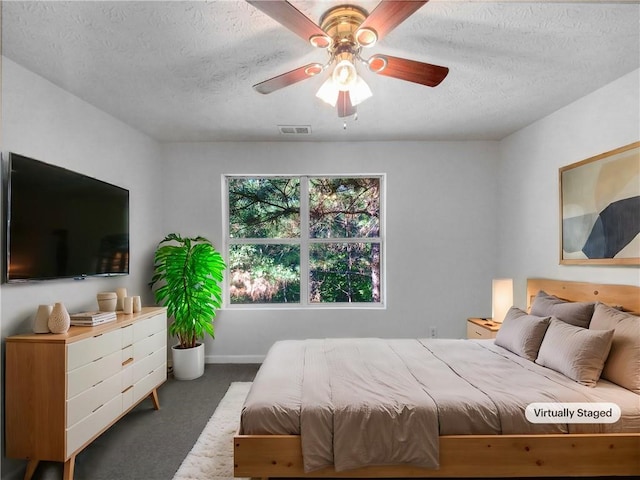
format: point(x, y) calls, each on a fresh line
point(62, 224)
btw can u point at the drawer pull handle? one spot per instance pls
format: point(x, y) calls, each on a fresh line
point(127, 389)
point(97, 408)
point(99, 335)
point(98, 359)
point(128, 346)
point(150, 372)
point(127, 362)
point(479, 334)
point(95, 384)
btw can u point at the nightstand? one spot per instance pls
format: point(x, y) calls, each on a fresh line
point(481, 328)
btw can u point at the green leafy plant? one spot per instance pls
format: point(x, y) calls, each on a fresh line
point(187, 273)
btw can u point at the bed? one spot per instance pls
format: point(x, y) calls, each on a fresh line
point(272, 436)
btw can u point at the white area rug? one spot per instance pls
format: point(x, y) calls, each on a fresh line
point(211, 458)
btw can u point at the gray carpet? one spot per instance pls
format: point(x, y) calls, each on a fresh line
point(148, 444)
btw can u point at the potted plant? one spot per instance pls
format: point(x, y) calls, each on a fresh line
point(186, 275)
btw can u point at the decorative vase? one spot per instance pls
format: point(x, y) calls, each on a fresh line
point(107, 301)
point(59, 320)
point(137, 304)
point(121, 293)
point(41, 322)
point(127, 307)
point(188, 363)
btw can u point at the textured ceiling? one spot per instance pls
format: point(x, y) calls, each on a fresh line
point(183, 71)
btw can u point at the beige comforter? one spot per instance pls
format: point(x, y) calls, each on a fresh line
point(359, 402)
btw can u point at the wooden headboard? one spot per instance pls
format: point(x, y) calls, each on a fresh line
point(625, 296)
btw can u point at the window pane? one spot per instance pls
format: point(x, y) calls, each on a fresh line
point(264, 207)
point(344, 272)
point(264, 273)
point(344, 207)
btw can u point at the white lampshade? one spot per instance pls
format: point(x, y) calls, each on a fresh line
point(328, 92)
point(502, 298)
point(359, 92)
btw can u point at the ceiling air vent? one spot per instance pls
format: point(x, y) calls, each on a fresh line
point(295, 129)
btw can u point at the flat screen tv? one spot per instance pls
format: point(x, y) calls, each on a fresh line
point(62, 224)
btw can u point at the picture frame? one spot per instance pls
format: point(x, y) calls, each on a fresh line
point(600, 209)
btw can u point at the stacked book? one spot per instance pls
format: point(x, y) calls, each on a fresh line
point(91, 319)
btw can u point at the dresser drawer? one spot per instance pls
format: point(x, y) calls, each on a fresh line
point(127, 355)
point(143, 387)
point(127, 336)
point(149, 363)
point(83, 431)
point(148, 345)
point(148, 327)
point(97, 371)
point(479, 332)
point(127, 399)
point(126, 377)
point(84, 404)
point(90, 349)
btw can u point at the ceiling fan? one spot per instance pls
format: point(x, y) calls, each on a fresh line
point(343, 31)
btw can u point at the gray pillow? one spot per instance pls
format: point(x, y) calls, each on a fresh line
point(522, 334)
point(623, 364)
point(574, 313)
point(578, 353)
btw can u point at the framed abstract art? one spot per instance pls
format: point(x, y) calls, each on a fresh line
point(600, 209)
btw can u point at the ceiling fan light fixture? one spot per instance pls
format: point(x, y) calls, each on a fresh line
point(314, 69)
point(366, 37)
point(377, 63)
point(328, 92)
point(320, 41)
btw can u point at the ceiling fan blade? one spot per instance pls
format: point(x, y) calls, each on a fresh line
point(292, 18)
point(289, 78)
point(409, 70)
point(345, 108)
point(389, 14)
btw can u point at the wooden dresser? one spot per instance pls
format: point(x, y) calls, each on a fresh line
point(64, 390)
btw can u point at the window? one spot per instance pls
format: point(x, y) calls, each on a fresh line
point(304, 240)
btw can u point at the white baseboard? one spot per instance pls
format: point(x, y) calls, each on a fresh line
point(233, 358)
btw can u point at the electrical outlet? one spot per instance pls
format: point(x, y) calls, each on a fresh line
point(433, 332)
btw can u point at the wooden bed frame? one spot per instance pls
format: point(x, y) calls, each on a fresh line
point(579, 455)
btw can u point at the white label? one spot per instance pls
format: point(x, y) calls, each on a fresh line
point(576, 412)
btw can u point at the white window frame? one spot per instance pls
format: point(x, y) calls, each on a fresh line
point(304, 241)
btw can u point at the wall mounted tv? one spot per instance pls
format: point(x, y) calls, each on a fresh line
point(62, 224)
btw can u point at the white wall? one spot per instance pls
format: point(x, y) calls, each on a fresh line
point(441, 250)
point(529, 199)
point(44, 122)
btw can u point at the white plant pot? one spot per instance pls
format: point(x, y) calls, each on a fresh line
point(188, 363)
